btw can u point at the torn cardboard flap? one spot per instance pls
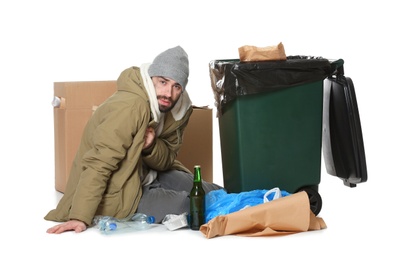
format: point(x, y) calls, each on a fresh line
point(253, 53)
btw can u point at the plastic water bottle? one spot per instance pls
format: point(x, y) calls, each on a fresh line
point(138, 221)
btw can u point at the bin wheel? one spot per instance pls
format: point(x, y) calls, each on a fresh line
point(315, 200)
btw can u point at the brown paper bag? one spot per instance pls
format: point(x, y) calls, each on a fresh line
point(283, 216)
point(253, 53)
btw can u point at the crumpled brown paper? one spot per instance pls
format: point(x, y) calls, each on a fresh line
point(283, 216)
point(253, 53)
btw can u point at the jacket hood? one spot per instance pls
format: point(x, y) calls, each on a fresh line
point(130, 80)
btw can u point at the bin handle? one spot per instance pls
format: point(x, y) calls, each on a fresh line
point(337, 67)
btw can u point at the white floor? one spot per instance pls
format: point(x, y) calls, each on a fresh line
point(367, 220)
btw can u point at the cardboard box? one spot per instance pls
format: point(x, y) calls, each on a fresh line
point(197, 146)
point(79, 100)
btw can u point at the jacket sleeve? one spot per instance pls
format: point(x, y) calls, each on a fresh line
point(112, 133)
point(162, 154)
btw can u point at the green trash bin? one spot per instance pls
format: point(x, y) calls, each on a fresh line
point(270, 122)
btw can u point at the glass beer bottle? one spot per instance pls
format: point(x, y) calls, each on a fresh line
point(197, 201)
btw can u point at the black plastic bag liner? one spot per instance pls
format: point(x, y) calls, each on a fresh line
point(232, 78)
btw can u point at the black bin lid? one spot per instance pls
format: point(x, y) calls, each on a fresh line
point(343, 146)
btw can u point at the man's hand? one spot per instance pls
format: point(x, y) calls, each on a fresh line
point(149, 137)
point(75, 225)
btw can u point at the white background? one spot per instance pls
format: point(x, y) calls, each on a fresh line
point(47, 41)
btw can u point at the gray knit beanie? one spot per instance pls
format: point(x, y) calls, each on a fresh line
point(172, 63)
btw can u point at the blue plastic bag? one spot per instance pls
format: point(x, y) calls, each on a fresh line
point(219, 202)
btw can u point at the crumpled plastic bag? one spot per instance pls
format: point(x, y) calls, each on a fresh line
point(219, 202)
point(287, 215)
